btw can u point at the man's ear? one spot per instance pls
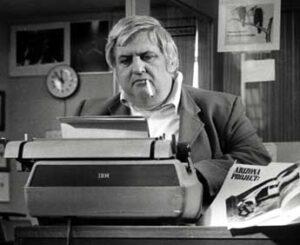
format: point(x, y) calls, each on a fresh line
point(171, 66)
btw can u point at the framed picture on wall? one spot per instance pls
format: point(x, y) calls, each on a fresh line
point(88, 39)
point(36, 48)
point(248, 25)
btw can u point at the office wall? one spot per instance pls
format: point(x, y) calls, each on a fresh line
point(34, 109)
point(209, 8)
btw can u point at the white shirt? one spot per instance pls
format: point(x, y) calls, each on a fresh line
point(165, 120)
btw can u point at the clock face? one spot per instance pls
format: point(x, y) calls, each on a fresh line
point(62, 81)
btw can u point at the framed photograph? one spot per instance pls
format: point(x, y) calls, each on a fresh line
point(36, 48)
point(88, 39)
point(2, 110)
point(248, 25)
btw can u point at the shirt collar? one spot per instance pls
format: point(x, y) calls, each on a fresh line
point(173, 98)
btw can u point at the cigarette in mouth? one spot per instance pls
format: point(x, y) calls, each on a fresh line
point(149, 88)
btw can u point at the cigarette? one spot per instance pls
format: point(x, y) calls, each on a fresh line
point(149, 88)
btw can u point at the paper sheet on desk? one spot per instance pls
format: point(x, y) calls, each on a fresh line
point(104, 127)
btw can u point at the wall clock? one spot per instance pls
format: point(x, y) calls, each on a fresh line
point(62, 81)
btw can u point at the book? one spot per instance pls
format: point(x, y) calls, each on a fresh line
point(257, 196)
point(104, 127)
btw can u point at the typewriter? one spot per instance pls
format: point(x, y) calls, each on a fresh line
point(109, 179)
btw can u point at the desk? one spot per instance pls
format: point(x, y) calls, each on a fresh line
point(146, 235)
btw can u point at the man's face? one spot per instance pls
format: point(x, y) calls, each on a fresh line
point(138, 61)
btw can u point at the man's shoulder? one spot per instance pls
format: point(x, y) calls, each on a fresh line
point(97, 106)
point(216, 108)
point(208, 98)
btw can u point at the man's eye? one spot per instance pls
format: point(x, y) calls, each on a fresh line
point(125, 61)
point(147, 57)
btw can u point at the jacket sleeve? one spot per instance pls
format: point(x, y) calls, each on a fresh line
point(79, 109)
point(239, 142)
point(91, 107)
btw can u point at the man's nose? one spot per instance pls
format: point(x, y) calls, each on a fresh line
point(138, 65)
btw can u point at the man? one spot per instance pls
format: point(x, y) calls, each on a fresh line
point(144, 60)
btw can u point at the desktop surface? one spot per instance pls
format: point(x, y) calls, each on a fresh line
point(188, 234)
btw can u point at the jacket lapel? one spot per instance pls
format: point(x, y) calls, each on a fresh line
point(190, 123)
point(117, 108)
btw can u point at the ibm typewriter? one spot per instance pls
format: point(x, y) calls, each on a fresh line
point(108, 179)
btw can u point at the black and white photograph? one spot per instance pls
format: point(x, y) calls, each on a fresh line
point(249, 25)
point(40, 47)
point(149, 122)
point(88, 46)
point(35, 48)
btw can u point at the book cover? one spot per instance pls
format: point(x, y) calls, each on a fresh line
point(257, 196)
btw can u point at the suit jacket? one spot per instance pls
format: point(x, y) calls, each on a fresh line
point(216, 127)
